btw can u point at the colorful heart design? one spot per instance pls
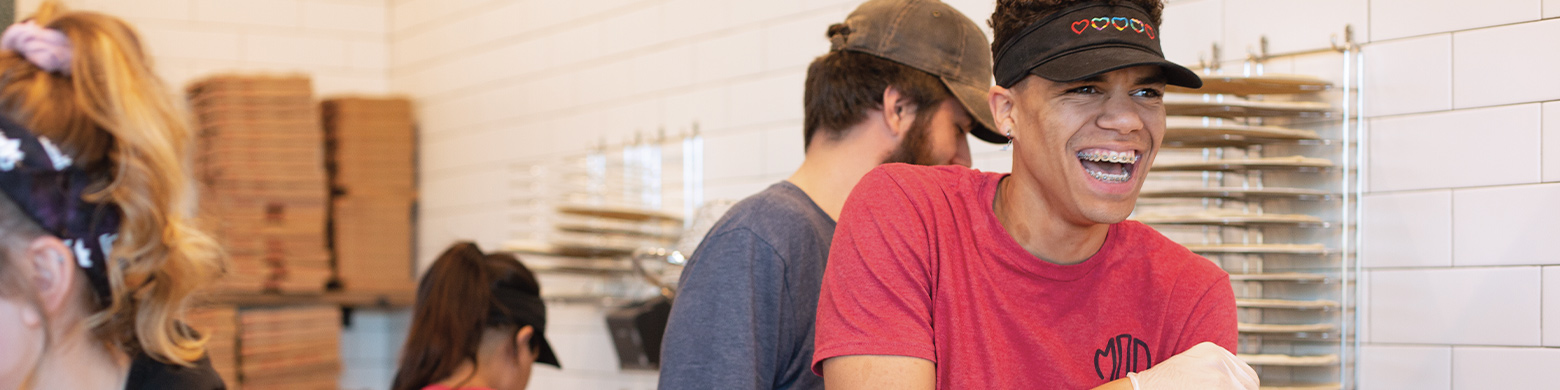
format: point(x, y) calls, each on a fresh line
point(1099, 23)
point(1119, 23)
point(1150, 31)
point(1137, 25)
point(1079, 26)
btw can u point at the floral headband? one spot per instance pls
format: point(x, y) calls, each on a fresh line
point(41, 180)
point(47, 48)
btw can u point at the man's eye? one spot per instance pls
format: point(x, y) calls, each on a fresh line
point(1087, 89)
point(1149, 93)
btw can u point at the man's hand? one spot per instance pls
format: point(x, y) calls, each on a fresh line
point(1205, 366)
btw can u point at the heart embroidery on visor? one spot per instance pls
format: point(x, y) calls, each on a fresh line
point(1120, 23)
point(1100, 23)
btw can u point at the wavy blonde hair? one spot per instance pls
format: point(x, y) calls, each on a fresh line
point(115, 115)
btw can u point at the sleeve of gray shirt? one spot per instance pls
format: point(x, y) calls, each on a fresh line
point(724, 325)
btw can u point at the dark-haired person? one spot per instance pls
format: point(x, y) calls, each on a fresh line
point(98, 250)
point(952, 278)
point(478, 325)
point(900, 84)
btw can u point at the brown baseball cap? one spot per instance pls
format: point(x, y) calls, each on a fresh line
point(934, 38)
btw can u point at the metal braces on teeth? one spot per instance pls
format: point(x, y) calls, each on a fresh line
point(1110, 177)
point(1111, 157)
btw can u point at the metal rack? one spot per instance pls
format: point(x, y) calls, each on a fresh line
point(581, 219)
point(1260, 173)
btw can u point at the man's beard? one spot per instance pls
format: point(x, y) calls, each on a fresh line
point(914, 149)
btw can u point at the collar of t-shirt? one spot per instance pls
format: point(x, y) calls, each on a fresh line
point(1014, 255)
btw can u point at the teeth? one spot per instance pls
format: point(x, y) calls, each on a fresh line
point(1127, 157)
point(1111, 178)
point(1100, 155)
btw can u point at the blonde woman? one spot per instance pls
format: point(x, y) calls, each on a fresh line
point(98, 251)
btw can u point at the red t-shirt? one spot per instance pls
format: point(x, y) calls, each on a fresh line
point(921, 267)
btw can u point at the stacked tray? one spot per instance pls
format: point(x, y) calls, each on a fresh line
point(1289, 249)
point(1200, 135)
point(1228, 218)
point(612, 231)
point(371, 159)
point(1259, 197)
point(1241, 108)
point(290, 347)
point(219, 324)
point(262, 173)
point(1267, 84)
point(596, 239)
point(1237, 193)
point(1290, 163)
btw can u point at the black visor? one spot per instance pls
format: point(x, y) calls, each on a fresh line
point(1085, 41)
point(524, 309)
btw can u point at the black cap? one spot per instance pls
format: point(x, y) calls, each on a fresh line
point(1084, 41)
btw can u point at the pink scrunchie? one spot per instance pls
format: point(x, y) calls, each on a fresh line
point(47, 48)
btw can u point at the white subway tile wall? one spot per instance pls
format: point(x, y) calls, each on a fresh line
point(1407, 229)
point(1192, 35)
point(733, 156)
point(1551, 308)
point(1392, 19)
point(1409, 75)
point(1487, 64)
point(1515, 225)
point(1384, 367)
point(1503, 368)
point(1461, 131)
point(1289, 26)
point(1465, 306)
point(783, 150)
point(1551, 137)
point(1454, 149)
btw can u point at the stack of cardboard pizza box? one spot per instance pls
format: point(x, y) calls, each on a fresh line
point(290, 347)
point(370, 153)
point(260, 163)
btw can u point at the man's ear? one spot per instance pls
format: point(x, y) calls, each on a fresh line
point(54, 272)
point(898, 112)
point(1001, 101)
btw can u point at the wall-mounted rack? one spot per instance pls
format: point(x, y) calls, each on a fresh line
point(1259, 172)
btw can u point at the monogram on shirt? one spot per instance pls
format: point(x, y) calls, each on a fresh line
point(1122, 354)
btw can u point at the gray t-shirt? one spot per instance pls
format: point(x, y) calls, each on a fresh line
point(743, 317)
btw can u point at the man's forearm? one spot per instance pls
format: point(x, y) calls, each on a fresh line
point(879, 372)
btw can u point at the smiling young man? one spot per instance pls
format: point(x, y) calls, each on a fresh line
point(953, 278)
point(899, 85)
